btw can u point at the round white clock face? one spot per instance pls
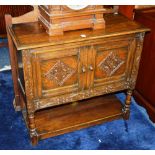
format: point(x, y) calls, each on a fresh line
point(77, 7)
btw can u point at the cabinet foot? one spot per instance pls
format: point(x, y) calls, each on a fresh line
point(16, 104)
point(34, 137)
point(126, 108)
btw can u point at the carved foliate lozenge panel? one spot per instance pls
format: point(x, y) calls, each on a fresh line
point(111, 63)
point(60, 72)
point(57, 73)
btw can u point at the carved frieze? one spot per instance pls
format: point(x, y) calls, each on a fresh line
point(80, 95)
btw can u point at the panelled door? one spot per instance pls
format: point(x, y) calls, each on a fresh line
point(57, 72)
point(113, 62)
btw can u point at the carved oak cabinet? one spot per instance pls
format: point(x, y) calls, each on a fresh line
point(65, 83)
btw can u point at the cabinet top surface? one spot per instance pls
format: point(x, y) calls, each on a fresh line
point(32, 35)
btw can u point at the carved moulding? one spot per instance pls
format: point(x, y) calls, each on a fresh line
point(113, 87)
point(27, 65)
point(134, 72)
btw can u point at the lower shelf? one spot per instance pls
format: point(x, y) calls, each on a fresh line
point(66, 118)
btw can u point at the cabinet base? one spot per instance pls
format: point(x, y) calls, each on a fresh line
point(66, 118)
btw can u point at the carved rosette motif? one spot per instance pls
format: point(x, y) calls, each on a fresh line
point(60, 72)
point(111, 63)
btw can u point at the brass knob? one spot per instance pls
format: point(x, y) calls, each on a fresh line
point(83, 69)
point(91, 68)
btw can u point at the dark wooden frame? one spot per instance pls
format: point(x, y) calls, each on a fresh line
point(145, 87)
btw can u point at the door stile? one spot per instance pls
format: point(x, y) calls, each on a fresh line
point(91, 53)
point(82, 69)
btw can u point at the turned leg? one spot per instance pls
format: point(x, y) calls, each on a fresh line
point(32, 128)
point(126, 108)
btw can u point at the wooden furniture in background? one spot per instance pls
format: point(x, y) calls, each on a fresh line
point(127, 10)
point(62, 81)
point(145, 87)
point(13, 10)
